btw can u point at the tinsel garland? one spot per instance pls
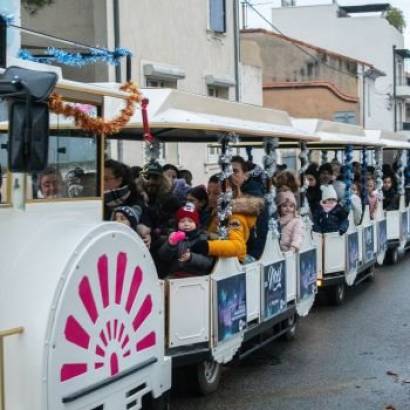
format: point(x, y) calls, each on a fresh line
point(304, 164)
point(379, 172)
point(56, 55)
point(8, 18)
point(348, 177)
point(98, 125)
point(365, 193)
point(269, 164)
point(400, 173)
point(407, 170)
point(224, 207)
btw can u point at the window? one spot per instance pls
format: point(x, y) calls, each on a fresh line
point(72, 169)
point(212, 154)
point(218, 92)
point(348, 117)
point(153, 83)
point(3, 169)
point(217, 16)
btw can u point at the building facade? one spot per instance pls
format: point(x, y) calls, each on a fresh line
point(353, 32)
point(305, 80)
point(191, 45)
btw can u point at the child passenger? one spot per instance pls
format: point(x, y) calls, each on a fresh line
point(372, 193)
point(330, 216)
point(176, 252)
point(131, 216)
point(291, 224)
point(356, 203)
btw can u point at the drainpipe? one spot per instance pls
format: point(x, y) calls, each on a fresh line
point(236, 35)
point(116, 16)
point(364, 75)
point(118, 73)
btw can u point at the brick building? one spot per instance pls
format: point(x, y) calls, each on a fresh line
point(309, 81)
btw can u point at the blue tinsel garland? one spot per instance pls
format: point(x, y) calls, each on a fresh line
point(56, 55)
point(8, 18)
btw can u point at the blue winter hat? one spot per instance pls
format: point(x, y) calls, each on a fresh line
point(132, 213)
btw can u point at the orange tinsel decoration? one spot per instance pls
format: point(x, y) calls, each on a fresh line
point(98, 125)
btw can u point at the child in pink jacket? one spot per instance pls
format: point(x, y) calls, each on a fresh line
point(291, 225)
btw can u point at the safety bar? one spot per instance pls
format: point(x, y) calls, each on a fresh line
point(3, 334)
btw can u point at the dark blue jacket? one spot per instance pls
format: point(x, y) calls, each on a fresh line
point(257, 238)
point(334, 221)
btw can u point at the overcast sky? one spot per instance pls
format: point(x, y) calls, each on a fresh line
point(264, 7)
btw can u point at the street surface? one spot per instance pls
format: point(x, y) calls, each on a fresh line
point(356, 356)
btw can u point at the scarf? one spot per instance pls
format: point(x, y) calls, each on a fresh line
point(116, 197)
point(328, 207)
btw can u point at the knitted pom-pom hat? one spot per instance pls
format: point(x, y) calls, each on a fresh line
point(188, 211)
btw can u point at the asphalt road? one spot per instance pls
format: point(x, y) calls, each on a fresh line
point(356, 356)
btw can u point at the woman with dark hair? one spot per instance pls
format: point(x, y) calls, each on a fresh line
point(199, 197)
point(120, 191)
point(313, 191)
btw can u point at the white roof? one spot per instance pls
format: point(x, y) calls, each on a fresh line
point(335, 133)
point(173, 109)
point(390, 139)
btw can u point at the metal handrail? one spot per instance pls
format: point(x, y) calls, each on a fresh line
point(3, 334)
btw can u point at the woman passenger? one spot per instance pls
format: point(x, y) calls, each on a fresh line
point(199, 197)
point(391, 198)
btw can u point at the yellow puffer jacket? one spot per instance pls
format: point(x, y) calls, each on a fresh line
point(243, 219)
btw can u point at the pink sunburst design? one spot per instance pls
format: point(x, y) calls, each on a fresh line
point(112, 347)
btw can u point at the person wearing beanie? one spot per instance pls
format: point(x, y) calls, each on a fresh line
point(291, 224)
point(177, 254)
point(131, 216)
point(330, 216)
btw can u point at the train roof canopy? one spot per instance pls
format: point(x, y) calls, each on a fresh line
point(389, 139)
point(335, 134)
point(176, 115)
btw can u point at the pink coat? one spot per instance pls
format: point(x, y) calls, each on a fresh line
point(292, 233)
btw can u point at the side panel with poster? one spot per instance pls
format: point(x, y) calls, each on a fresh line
point(231, 306)
point(368, 244)
point(382, 236)
point(352, 252)
point(274, 289)
point(307, 274)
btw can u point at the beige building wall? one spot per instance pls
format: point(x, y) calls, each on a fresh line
point(308, 102)
point(282, 61)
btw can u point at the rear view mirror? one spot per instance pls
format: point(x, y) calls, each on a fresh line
point(28, 142)
point(27, 92)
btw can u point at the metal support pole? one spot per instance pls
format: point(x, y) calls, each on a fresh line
point(304, 164)
point(269, 165)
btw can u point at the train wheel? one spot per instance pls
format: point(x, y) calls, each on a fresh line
point(291, 332)
point(208, 376)
point(371, 277)
point(336, 294)
point(392, 256)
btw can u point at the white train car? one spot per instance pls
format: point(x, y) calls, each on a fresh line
point(350, 258)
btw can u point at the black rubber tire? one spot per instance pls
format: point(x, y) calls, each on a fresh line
point(206, 377)
point(291, 332)
point(371, 275)
point(393, 256)
point(336, 294)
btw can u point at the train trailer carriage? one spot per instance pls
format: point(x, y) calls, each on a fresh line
point(350, 258)
point(397, 220)
point(89, 324)
point(273, 290)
